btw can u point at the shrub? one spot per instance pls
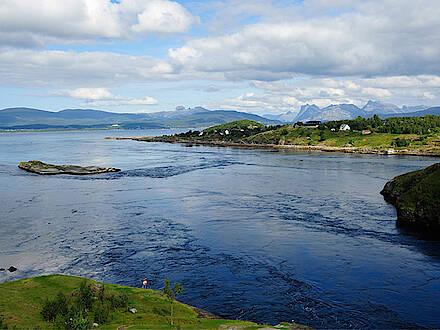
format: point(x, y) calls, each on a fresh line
point(400, 142)
point(101, 294)
point(52, 308)
point(78, 320)
point(101, 313)
point(49, 311)
point(85, 295)
point(120, 300)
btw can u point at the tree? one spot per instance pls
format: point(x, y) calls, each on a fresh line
point(171, 293)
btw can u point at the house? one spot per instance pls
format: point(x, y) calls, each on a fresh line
point(344, 127)
point(312, 123)
point(366, 132)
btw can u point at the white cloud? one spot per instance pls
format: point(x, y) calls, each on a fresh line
point(32, 23)
point(88, 94)
point(147, 100)
point(103, 97)
point(386, 37)
point(377, 93)
point(70, 69)
point(294, 52)
point(160, 16)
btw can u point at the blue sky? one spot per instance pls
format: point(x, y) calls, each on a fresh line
point(257, 56)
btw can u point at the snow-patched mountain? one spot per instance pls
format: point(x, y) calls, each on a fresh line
point(332, 112)
point(351, 111)
point(375, 107)
point(344, 111)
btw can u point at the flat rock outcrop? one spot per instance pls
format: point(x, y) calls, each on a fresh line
point(35, 166)
point(416, 196)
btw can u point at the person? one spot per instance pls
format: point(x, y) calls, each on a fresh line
point(144, 283)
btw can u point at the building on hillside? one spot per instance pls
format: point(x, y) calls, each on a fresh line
point(366, 132)
point(312, 123)
point(344, 127)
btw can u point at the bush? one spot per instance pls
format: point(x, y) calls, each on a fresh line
point(400, 142)
point(49, 311)
point(85, 296)
point(101, 313)
point(120, 300)
point(78, 320)
point(101, 294)
point(52, 308)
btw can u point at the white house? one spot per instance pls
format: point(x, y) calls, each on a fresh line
point(344, 127)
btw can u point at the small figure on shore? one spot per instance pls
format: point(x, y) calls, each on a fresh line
point(144, 283)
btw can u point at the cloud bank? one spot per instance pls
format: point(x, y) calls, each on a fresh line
point(324, 52)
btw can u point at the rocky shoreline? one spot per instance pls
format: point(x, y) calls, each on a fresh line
point(416, 197)
point(354, 150)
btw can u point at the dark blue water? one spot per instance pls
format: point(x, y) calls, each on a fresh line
point(262, 235)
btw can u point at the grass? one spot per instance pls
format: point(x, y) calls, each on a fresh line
point(239, 124)
point(21, 304)
point(420, 187)
point(316, 137)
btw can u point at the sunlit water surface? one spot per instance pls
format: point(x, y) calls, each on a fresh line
point(261, 235)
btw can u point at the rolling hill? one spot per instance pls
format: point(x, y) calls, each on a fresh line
point(28, 118)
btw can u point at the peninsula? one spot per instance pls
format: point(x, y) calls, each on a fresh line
point(61, 301)
point(398, 136)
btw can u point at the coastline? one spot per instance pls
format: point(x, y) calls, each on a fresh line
point(354, 150)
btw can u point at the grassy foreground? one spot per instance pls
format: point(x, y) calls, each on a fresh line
point(21, 303)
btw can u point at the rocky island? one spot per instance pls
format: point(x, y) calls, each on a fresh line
point(36, 166)
point(416, 196)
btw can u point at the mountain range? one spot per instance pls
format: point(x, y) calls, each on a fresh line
point(28, 118)
point(181, 117)
point(350, 111)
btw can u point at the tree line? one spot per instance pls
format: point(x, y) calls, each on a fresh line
point(394, 125)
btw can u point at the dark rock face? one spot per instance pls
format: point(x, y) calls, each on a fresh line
point(35, 166)
point(416, 196)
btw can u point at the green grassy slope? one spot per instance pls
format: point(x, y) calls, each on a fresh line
point(250, 132)
point(316, 137)
point(21, 304)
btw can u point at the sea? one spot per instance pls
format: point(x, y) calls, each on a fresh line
point(254, 234)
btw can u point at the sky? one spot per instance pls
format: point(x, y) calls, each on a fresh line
point(258, 56)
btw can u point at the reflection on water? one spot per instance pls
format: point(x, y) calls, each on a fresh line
point(262, 235)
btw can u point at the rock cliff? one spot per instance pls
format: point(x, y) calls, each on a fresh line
point(416, 196)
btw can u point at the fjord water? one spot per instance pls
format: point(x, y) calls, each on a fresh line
point(263, 235)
